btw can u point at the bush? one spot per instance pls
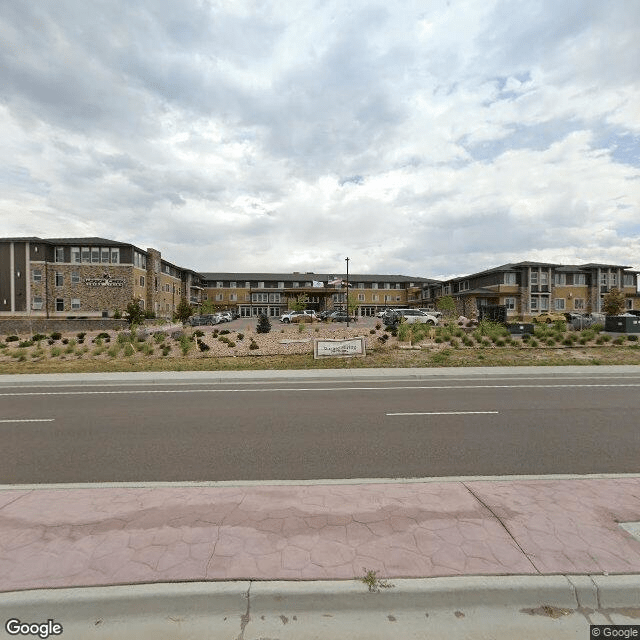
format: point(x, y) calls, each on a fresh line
point(372, 331)
point(533, 342)
point(264, 326)
point(55, 352)
point(56, 335)
point(117, 314)
point(38, 336)
point(632, 338)
point(81, 335)
point(619, 340)
point(65, 340)
point(25, 343)
point(253, 345)
point(166, 350)
point(197, 333)
point(241, 336)
point(129, 350)
point(12, 339)
point(550, 341)
point(231, 343)
point(160, 336)
point(203, 346)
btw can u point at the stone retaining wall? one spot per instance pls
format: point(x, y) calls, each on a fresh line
point(23, 326)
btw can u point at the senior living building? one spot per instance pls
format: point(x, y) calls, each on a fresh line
point(94, 277)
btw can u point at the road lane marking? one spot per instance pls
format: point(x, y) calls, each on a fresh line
point(442, 413)
point(29, 420)
point(288, 389)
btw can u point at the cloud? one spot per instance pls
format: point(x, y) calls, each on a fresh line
point(419, 139)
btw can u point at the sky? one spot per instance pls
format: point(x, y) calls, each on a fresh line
point(424, 138)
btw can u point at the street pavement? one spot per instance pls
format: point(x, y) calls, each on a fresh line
point(563, 551)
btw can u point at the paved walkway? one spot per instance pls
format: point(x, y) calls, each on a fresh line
point(103, 536)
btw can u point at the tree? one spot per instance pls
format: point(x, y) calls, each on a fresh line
point(183, 310)
point(446, 305)
point(613, 303)
point(264, 326)
point(134, 313)
point(208, 306)
point(299, 303)
point(352, 303)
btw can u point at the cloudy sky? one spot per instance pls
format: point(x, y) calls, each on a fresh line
point(428, 138)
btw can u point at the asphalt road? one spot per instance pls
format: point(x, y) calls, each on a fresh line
point(319, 430)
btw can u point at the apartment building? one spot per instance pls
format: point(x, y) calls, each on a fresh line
point(252, 294)
point(530, 288)
point(88, 277)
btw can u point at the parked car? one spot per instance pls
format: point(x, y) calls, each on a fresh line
point(549, 317)
point(341, 316)
point(581, 321)
point(308, 315)
point(209, 318)
point(410, 316)
point(226, 316)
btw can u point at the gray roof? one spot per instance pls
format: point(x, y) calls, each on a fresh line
point(308, 277)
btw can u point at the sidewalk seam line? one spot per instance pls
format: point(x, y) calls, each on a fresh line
point(28, 491)
point(503, 525)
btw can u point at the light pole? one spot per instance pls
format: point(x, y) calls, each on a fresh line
point(347, 293)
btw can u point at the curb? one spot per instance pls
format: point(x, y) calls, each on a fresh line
point(332, 609)
point(285, 375)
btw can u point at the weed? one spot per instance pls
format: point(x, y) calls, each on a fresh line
point(20, 354)
point(55, 352)
point(129, 350)
point(113, 351)
point(166, 350)
point(373, 582)
point(160, 336)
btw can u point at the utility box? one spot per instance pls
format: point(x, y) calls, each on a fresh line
point(520, 328)
point(622, 324)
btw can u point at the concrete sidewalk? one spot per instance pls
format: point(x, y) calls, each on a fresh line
point(70, 537)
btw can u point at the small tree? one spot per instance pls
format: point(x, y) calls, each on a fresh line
point(183, 310)
point(264, 326)
point(446, 305)
point(299, 303)
point(613, 303)
point(352, 303)
point(208, 306)
point(134, 313)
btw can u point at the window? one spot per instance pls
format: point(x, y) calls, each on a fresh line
point(95, 254)
point(374, 285)
point(233, 297)
point(218, 284)
point(627, 280)
point(260, 285)
point(247, 285)
point(142, 281)
point(613, 279)
point(578, 304)
point(463, 286)
point(232, 285)
point(544, 278)
point(603, 279)
point(387, 285)
point(37, 275)
point(544, 304)
point(59, 304)
point(75, 303)
point(274, 297)
point(560, 279)
point(59, 254)
point(361, 297)
point(295, 285)
point(579, 279)
point(628, 303)
point(360, 285)
point(259, 297)
point(86, 254)
point(534, 303)
point(36, 302)
point(219, 297)
point(510, 303)
point(59, 279)
point(115, 256)
point(559, 304)
point(104, 254)
point(375, 298)
point(534, 278)
point(387, 298)
point(509, 278)
point(75, 277)
point(280, 285)
point(75, 254)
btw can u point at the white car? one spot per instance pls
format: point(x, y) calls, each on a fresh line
point(410, 316)
point(290, 316)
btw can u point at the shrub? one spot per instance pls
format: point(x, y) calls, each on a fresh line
point(25, 343)
point(467, 341)
point(38, 336)
point(65, 340)
point(567, 342)
point(264, 326)
point(55, 352)
point(81, 335)
point(185, 344)
point(231, 343)
point(500, 342)
point(583, 340)
point(160, 336)
point(378, 326)
point(56, 335)
point(50, 341)
point(619, 340)
point(632, 338)
point(225, 332)
point(253, 345)
point(596, 328)
point(197, 333)
point(113, 351)
point(117, 314)
point(166, 350)
point(12, 339)
point(203, 346)
point(533, 342)
point(403, 332)
point(372, 331)
point(454, 343)
point(550, 341)
point(129, 350)
point(560, 326)
point(241, 336)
